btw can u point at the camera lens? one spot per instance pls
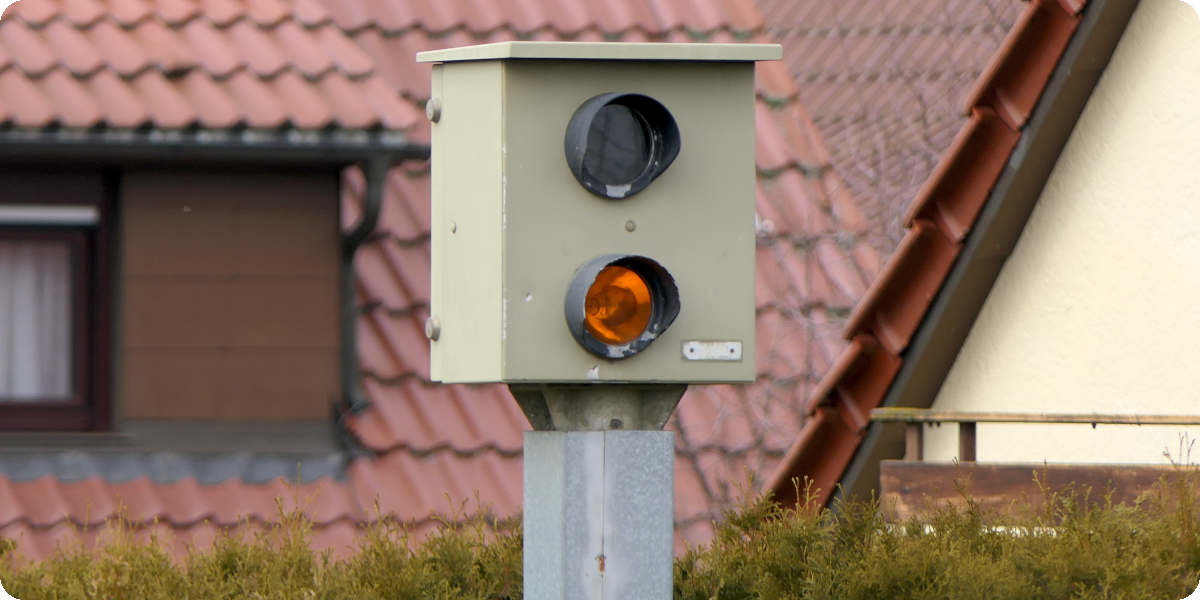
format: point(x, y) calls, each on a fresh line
point(618, 145)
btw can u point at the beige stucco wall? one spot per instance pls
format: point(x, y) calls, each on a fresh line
point(1098, 309)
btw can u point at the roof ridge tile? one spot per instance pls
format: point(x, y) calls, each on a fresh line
point(959, 185)
point(893, 306)
point(1015, 77)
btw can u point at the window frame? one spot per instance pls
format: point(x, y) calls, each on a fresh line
point(88, 407)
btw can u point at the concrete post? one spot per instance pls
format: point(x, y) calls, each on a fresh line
point(599, 518)
point(599, 503)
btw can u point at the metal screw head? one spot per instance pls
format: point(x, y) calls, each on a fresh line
point(433, 328)
point(630, 225)
point(433, 109)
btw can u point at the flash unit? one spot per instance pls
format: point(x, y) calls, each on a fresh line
point(617, 304)
point(617, 143)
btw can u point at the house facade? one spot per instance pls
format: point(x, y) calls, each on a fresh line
point(1045, 270)
point(1090, 313)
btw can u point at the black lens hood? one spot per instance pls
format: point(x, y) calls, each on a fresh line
point(664, 303)
point(664, 142)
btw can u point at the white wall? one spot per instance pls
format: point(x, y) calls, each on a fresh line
point(1098, 309)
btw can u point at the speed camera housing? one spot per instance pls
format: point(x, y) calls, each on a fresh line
point(593, 212)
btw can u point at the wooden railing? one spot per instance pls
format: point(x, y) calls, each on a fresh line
point(916, 418)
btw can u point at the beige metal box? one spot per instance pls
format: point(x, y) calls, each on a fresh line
point(515, 224)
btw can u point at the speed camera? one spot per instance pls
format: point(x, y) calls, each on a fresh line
point(593, 212)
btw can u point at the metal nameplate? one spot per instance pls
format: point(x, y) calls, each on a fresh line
point(698, 350)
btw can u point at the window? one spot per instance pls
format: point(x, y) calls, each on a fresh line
point(53, 330)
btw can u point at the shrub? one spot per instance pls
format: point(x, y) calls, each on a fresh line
point(1074, 546)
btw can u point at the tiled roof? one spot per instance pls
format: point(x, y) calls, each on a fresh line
point(315, 64)
point(936, 224)
point(174, 64)
point(58, 497)
point(52, 497)
point(885, 82)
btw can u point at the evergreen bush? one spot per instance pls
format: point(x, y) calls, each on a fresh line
point(1075, 545)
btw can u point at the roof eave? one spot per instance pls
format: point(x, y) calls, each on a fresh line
point(935, 343)
point(293, 147)
point(985, 250)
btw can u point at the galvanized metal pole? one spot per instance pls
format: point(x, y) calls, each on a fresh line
point(599, 496)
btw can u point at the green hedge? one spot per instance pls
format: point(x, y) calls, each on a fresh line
point(1074, 547)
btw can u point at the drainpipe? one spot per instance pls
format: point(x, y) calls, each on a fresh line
point(375, 173)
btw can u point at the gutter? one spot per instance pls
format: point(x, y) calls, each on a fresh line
point(375, 174)
point(276, 147)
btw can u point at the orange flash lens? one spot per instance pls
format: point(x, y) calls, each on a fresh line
point(617, 306)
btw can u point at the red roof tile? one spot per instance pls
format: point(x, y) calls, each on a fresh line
point(1016, 84)
point(958, 187)
point(36, 542)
